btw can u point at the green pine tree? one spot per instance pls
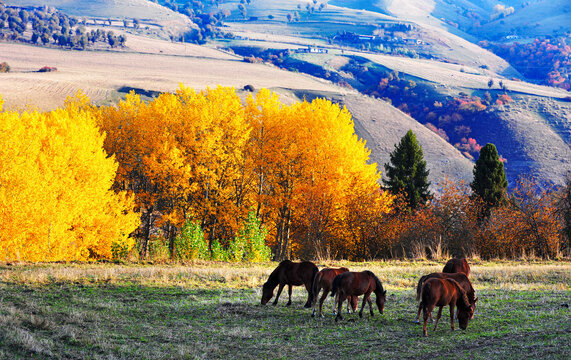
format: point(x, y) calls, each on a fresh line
point(490, 182)
point(407, 173)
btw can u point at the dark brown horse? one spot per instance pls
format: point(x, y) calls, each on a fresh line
point(324, 280)
point(442, 292)
point(457, 266)
point(458, 277)
point(290, 274)
point(358, 283)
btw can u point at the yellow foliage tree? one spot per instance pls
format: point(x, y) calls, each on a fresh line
point(310, 165)
point(182, 156)
point(55, 181)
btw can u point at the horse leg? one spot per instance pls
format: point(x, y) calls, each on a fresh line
point(452, 316)
point(365, 298)
point(349, 304)
point(322, 300)
point(335, 303)
point(426, 313)
point(310, 299)
point(289, 290)
point(340, 298)
point(416, 321)
point(315, 301)
point(370, 305)
point(438, 317)
point(278, 294)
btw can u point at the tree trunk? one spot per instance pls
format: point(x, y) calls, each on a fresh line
point(147, 222)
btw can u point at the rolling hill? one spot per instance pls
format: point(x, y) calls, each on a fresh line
point(532, 132)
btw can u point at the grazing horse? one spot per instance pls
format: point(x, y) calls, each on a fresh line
point(457, 266)
point(460, 278)
point(358, 283)
point(442, 292)
point(290, 274)
point(324, 280)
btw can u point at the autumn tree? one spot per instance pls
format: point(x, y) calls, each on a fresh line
point(407, 172)
point(180, 154)
point(55, 188)
point(490, 182)
point(527, 223)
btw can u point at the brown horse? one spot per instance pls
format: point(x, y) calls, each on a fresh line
point(442, 292)
point(324, 280)
point(458, 277)
point(358, 283)
point(457, 266)
point(290, 274)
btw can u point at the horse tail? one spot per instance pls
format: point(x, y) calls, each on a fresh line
point(419, 287)
point(315, 285)
point(422, 288)
point(312, 293)
point(335, 285)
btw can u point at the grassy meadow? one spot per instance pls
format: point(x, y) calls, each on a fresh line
point(212, 310)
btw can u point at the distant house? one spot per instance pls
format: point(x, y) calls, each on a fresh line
point(313, 50)
point(366, 37)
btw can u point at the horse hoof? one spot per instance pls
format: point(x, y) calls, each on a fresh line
point(321, 316)
point(306, 306)
point(361, 315)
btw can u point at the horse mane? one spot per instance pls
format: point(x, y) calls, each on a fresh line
point(419, 287)
point(462, 292)
point(377, 281)
point(273, 279)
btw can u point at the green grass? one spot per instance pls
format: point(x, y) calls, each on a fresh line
point(212, 310)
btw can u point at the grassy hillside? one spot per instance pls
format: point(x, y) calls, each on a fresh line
point(457, 68)
point(89, 72)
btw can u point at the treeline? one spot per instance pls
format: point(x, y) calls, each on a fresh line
point(479, 220)
point(201, 157)
point(207, 21)
point(50, 26)
point(202, 175)
point(547, 60)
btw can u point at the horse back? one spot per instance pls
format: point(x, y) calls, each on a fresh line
point(438, 292)
point(460, 278)
point(457, 266)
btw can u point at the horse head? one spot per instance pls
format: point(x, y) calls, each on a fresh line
point(267, 293)
point(466, 307)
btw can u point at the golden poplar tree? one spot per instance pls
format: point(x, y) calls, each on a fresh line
point(55, 188)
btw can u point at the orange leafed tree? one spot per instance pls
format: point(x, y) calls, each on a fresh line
point(309, 166)
point(55, 188)
point(182, 155)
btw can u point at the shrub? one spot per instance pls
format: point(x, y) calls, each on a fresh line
point(47, 69)
point(254, 236)
point(4, 67)
point(218, 252)
point(190, 243)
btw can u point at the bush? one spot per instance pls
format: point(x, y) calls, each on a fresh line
point(47, 69)
point(218, 252)
point(190, 244)
point(4, 67)
point(254, 236)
